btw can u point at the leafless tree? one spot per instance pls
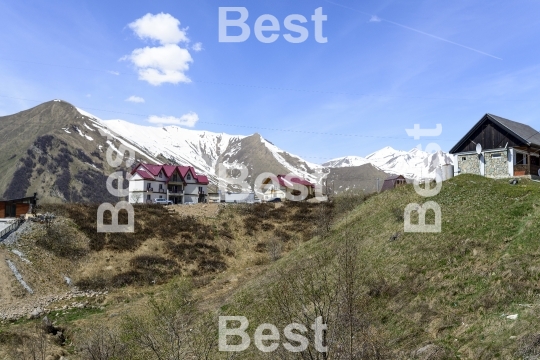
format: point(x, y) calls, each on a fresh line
point(33, 346)
point(102, 343)
point(274, 247)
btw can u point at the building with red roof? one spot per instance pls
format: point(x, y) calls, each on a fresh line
point(177, 184)
point(286, 187)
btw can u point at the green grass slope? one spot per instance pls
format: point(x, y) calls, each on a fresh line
point(449, 291)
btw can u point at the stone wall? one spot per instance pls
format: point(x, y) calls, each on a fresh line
point(471, 164)
point(496, 167)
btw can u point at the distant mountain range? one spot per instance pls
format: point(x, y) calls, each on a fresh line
point(56, 149)
point(413, 164)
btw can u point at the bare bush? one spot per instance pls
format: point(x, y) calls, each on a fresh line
point(33, 346)
point(329, 286)
point(164, 333)
point(102, 343)
point(274, 248)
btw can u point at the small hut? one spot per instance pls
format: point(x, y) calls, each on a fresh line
point(393, 181)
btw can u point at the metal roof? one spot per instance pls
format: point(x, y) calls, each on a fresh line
point(523, 132)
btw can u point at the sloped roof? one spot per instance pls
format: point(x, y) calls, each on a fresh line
point(523, 132)
point(203, 179)
point(283, 181)
point(150, 171)
point(395, 177)
point(145, 174)
point(390, 182)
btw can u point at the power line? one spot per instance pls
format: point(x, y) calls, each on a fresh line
point(245, 126)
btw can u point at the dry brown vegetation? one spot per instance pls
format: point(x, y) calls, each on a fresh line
point(165, 245)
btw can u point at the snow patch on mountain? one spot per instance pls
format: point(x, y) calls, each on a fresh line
point(202, 149)
point(346, 161)
point(301, 167)
point(413, 164)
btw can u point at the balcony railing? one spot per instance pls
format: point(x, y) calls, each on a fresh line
point(176, 192)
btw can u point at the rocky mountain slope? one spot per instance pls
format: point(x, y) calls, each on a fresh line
point(58, 151)
point(413, 164)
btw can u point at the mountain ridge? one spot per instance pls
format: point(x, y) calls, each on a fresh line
point(58, 151)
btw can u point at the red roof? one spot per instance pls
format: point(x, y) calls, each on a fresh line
point(203, 179)
point(286, 180)
point(150, 171)
point(144, 174)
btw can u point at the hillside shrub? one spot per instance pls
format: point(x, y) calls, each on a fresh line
point(20, 182)
point(44, 143)
point(60, 239)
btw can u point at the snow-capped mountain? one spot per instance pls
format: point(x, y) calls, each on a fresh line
point(346, 161)
point(205, 150)
point(59, 151)
point(413, 164)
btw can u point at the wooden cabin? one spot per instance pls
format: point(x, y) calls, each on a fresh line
point(508, 149)
point(17, 207)
point(393, 181)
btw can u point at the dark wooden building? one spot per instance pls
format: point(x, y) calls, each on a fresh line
point(508, 148)
point(17, 207)
point(393, 182)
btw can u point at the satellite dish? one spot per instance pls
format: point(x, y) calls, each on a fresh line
point(478, 148)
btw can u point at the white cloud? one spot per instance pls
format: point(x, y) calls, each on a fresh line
point(187, 120)
point(114, 72)
point(197, 47)
point(135, 99)
point(375, 18)
point(158, 65)
point(160, 27)
point(168, 62)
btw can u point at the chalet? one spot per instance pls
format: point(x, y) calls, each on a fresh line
point(17, 207)
point(286, 184)
point(179, 184)
point(497, 147)
point(393, 181)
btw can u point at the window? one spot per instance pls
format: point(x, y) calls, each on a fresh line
point(148, 186)
point(496, 156)
point(188, 176)
point(148, 197)
point(464, 158)
point(200, 189)
point(160, 196)
point(521, 159)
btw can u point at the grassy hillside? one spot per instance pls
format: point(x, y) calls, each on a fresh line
point(384, 294)
point(449, 291)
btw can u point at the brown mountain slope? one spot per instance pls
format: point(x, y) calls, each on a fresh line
point(55, 151)
point(355, 178)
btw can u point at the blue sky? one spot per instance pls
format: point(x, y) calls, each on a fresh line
point(386, 66)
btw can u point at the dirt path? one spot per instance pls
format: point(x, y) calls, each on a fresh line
point(6, 276)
